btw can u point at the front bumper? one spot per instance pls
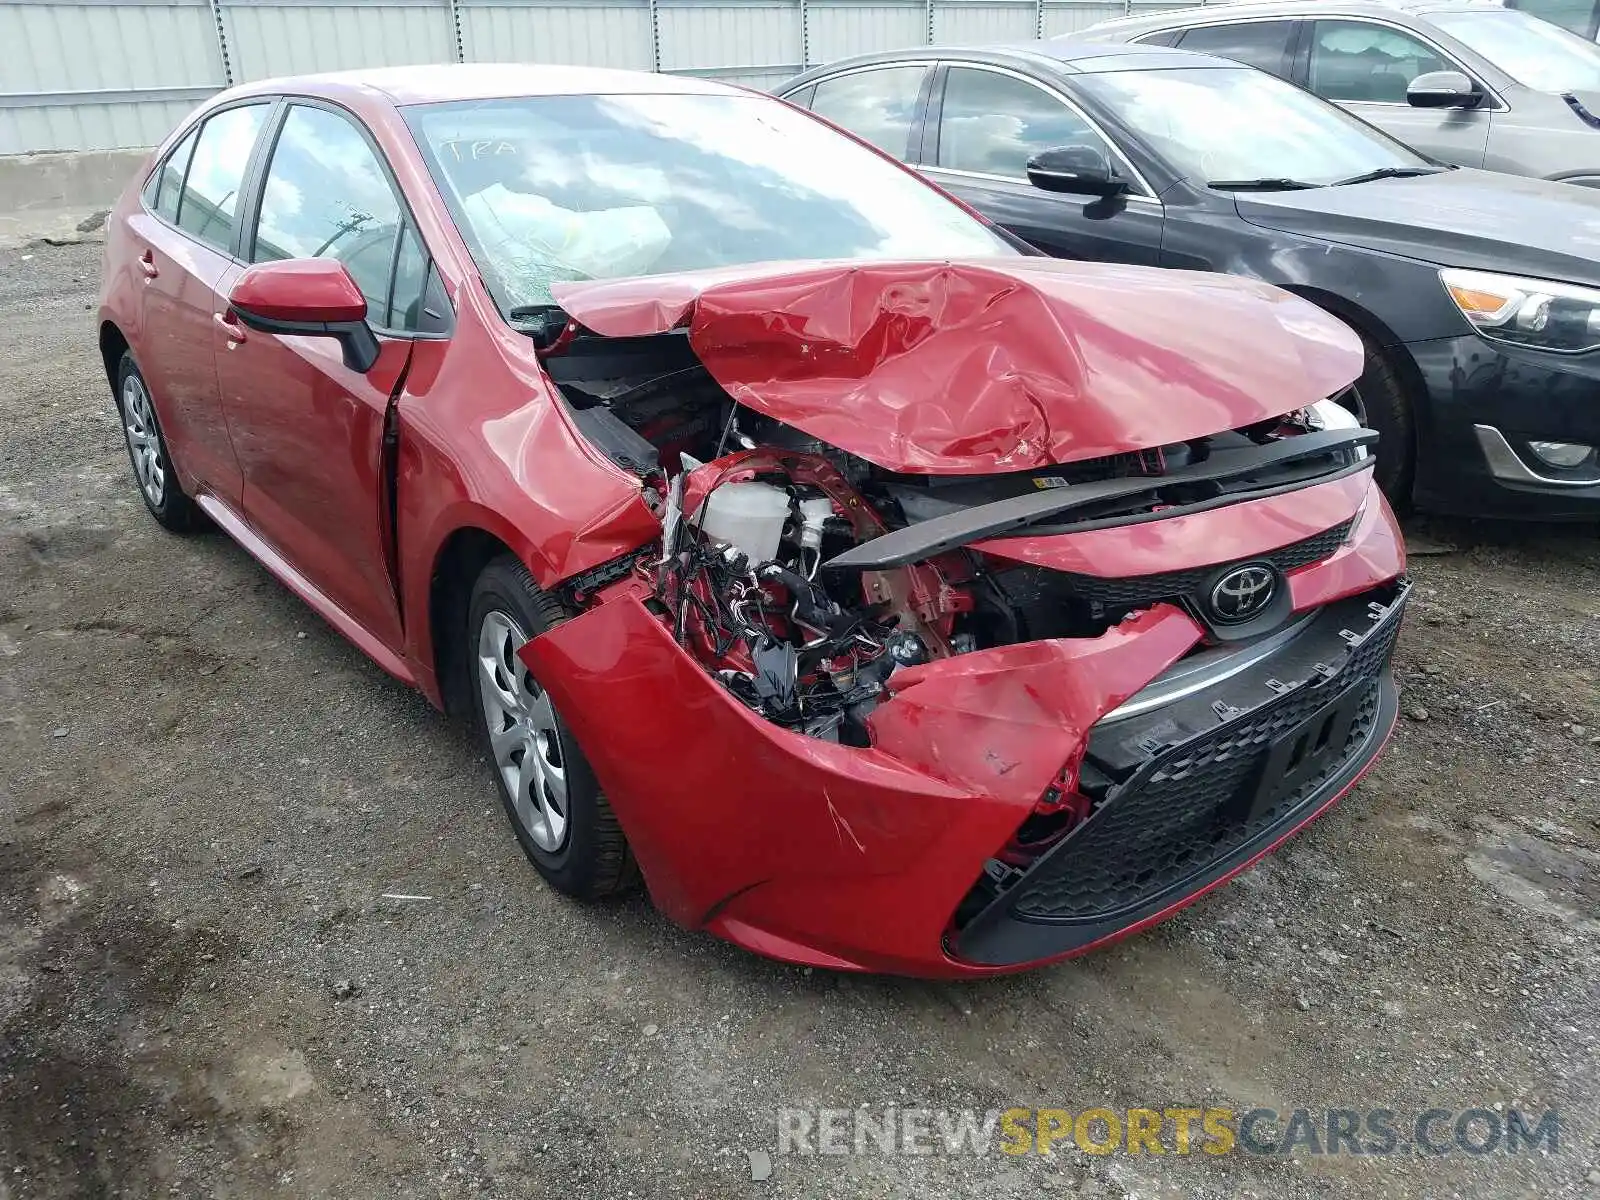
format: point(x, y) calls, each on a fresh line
point(1192, 791)
point(1484, 403)
point(865, 859)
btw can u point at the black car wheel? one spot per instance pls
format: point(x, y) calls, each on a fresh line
point(1379, 402)
point(558, 812)
point(147, 452)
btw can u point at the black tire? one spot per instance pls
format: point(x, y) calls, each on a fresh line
point(1388, 409)
point(168, 503)
point(592, 859)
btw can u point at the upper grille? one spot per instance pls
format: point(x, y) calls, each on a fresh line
point(1135, 590)
point(1179, 816)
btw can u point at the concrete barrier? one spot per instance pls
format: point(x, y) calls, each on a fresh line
point(68, 179)
point(55, 196)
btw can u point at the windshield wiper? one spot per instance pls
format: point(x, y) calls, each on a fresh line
point(1387, 173)
point(1260, 185)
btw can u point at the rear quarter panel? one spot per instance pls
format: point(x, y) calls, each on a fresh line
point(120, 278)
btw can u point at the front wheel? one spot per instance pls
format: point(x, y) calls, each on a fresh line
point(560, 816)
point(1379, 401)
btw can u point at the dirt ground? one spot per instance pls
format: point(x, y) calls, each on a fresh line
point(205, 796)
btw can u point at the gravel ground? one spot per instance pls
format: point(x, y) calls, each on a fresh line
point(205, 795)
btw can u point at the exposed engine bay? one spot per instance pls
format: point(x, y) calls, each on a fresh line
point(802, 577)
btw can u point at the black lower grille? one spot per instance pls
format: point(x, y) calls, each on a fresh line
point(1191, 810)
point(1181, 818)
point(1135, 590)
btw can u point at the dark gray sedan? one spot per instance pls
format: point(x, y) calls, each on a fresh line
point(1477, 293)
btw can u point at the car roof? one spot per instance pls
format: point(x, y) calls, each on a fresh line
point(483, 81)
point(1210, 13)
point(1069, 56)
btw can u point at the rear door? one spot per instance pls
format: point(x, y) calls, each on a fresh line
point(185, 237)
point(1366, 67)
point(984, 124)
point(308, 430)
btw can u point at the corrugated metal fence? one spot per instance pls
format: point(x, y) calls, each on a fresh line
point(103, 74)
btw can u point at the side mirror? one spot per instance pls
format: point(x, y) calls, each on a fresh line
point(1443, 89)
point(313, 297)
point(1077, 170)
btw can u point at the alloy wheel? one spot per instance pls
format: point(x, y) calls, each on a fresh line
point(144, 443)
point(523, 735)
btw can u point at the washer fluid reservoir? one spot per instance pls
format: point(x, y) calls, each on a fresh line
point(749, 516)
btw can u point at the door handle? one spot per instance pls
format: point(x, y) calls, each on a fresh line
point(147, 264)
point(231, 329)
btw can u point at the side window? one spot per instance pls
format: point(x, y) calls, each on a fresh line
point(1352, 60)
point(1261, 44)
point(168, 179)
point(803, 96)
point(993, 123)
point(327, 196)
point(879, 105)
point(209, 203)
point(1162, 37)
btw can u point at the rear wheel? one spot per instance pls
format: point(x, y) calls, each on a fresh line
point(560, 816)
point(147, 451)
point(1379, 402)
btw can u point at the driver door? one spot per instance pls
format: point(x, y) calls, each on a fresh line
point(1366, 67)
point(983, 126)
point(308, 430)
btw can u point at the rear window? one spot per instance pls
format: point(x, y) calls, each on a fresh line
point(879, 105)
point(1260, 44)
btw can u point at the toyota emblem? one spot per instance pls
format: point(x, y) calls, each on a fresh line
point(1242, 593)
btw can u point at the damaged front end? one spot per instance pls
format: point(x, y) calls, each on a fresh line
point(954, 690)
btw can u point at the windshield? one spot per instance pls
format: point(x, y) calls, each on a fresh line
point(555, 188)
point(1222, 123)
point(1535, 53)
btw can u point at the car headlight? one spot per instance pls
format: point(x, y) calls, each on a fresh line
point(1527, 312)
point(1330, 414)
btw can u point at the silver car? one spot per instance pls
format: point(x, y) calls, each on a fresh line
point(1467, 82)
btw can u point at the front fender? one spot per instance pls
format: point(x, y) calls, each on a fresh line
point(485, 449)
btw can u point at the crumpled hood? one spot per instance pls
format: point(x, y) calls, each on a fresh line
point(1463, 218)
point(988, 365)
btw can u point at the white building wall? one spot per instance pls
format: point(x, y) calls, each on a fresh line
point(107, 74)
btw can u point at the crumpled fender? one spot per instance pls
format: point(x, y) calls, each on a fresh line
point(993, 364)
point(715, 800)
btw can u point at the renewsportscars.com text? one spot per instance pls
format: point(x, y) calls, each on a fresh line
point(1175, 1130)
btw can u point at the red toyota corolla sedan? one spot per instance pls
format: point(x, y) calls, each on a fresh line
point(887, 596)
